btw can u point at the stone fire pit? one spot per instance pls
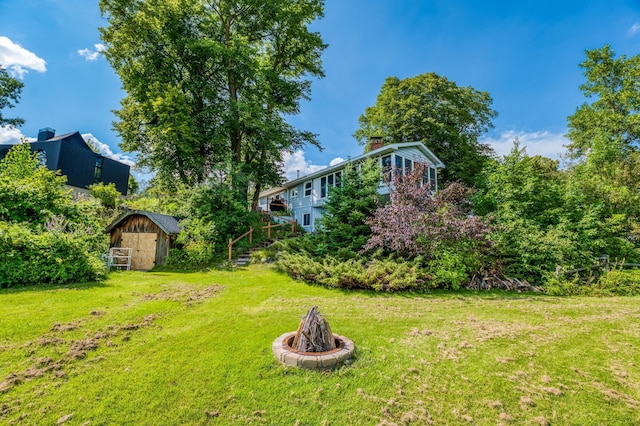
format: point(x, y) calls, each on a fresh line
point(313, 345)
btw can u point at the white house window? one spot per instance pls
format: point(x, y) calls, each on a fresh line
point(307, 189)
point(386, 167)
point(306, 219)
point(326, 182)
point(408, 166)
point(293, 193)
point(433, 179)
point(399, 164)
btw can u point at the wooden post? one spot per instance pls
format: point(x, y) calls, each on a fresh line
point(251, 235)
point(269, 230)
point(230, 245)
point(293, 226)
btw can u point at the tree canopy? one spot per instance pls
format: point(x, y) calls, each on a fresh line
point(209, 84)
point(10, 90)
point(614, 115)
point(448, 118)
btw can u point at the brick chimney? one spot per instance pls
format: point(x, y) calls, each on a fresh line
point(375, 142)
point(46, 134)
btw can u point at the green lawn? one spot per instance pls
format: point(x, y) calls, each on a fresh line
point(195, 348)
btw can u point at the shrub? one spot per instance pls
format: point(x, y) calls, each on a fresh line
point(45, 236)
point(615, 282)
point(32, 257)
point(416, 222)
point(385, 275)
point(452, 269)
point(107, 194)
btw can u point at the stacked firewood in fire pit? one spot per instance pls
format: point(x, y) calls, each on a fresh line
point(313, 334)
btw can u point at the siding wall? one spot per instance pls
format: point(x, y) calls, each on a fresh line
point(313, 204)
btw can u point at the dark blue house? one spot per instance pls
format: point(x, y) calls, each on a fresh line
point(70, 154)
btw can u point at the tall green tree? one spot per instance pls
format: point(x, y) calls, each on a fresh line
point(10, 90)
point(448, 118)
point(351, 202)
point(210, 83)
point(604, 182)
point(614, 115)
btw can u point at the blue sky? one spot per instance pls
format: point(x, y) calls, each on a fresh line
point(525, 54)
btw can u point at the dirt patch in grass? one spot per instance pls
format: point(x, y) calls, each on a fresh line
point(188, 295)
point(71, 350)
point(77, 349)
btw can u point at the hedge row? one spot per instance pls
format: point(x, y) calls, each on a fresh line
point(30, 257)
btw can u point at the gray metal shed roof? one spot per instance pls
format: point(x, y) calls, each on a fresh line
point(168, 224)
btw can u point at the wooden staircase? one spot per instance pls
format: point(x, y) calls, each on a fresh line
point(244, 258)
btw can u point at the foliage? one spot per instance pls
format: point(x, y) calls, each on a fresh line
point(132, 185)
point(211, 216)
point(616, 282)
point(10, 90)
point(451, 269)
point(348, 207)
point(45, 236)
point(448, 118)
point(32, 257)
point(386, 275)
point(216, 203)
point(433, 243)
point(209, 84)
point(158, 198)
point(417, 222)
point(32, 194)
point(523, 187)
point(107, 194)
point(613, 117)
point(265, 255)
point(523, 196)
point(198, 239)
point(544, 217)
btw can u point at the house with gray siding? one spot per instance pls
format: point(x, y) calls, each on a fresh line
point(304, 197)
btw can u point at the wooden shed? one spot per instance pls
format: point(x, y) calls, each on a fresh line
point(150, 235)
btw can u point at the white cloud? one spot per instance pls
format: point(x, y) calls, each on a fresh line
point(295, 164)
point(19, 60)
point(542, 143)
point(105, 150)
point(10, 135)
point(92, 55)
point(337, 160)
point(634, 29)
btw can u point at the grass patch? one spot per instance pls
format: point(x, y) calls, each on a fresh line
point(195, 348)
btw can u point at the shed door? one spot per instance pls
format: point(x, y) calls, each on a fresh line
point(143, 255)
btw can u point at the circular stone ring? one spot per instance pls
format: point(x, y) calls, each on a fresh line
point(284, 353)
